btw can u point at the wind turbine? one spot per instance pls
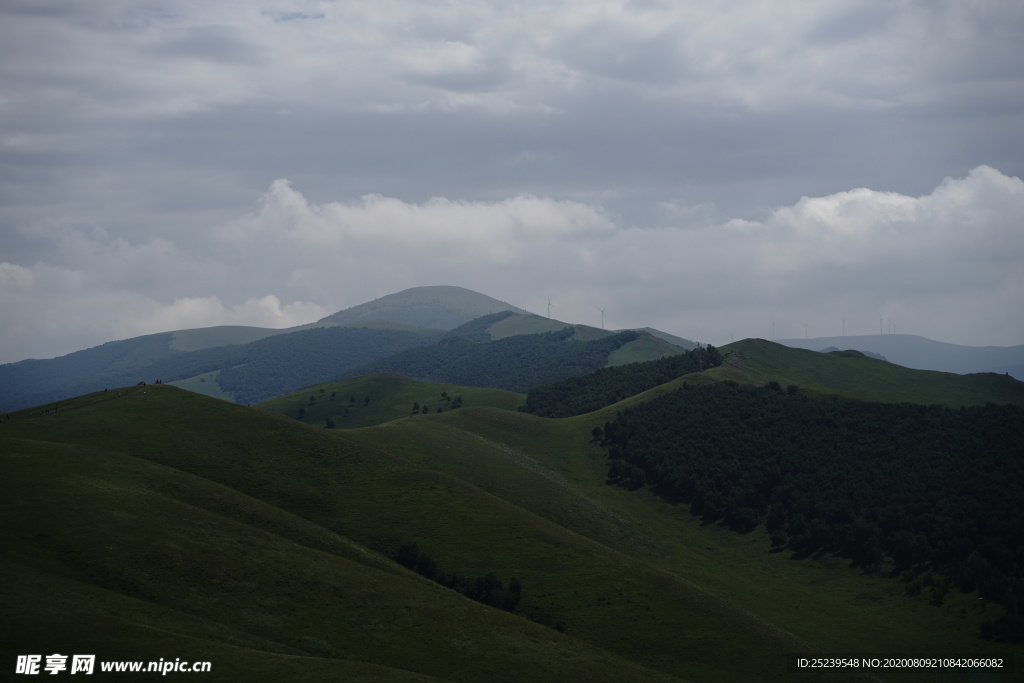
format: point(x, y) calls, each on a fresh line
point(602, 315)
point(549, 306)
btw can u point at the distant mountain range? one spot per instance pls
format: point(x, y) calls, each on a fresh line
point(250, 364)
point(921, 353)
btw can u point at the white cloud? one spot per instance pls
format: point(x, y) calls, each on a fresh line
point(14, 277)
point(863, 250)
point(192, 312)
point(447, 232)
point(945, 265)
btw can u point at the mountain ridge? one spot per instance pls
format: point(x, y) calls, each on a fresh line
point(922, 353)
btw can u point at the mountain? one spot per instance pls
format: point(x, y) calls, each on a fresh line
point(921, 353)
point(437, 307)
point(508, 351)
point(250, 364)
point(244, 373)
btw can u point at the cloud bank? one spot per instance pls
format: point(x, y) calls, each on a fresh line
point(945, 265)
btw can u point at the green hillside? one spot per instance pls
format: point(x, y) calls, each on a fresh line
point(651, 343)
point(177, 523)
point(205, 384)
point(517, 363)
point(852, 374)
point(174, 524)
point(645, 347)
point(554, 469)
point(247, 373)
point(160, 523)
point(122, 541)
point(391, 396)
point(524, 323)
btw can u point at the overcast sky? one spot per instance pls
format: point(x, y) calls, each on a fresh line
point(706, 168)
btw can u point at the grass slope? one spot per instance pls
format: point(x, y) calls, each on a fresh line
point(158, 523)
point(638, 585)
point(550, 468)
point(646, 347)
point(756, 361)
point(205, 384)
point(651, 345)
point(391, 397)
point(524, 323)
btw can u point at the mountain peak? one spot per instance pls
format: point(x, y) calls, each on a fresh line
point(442, 307)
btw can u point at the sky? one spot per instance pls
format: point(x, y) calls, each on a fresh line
point(716, 170)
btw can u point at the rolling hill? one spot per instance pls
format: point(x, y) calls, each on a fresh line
point(178, 523)
point(244, 373)
point(921, 353)
point(852, 374)
point(554, 468)
point(175, 524)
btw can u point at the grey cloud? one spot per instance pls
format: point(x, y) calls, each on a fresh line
point(206, 43)
point(146, 126)
point(605, 49)
point(851, 24)
point(293, 16)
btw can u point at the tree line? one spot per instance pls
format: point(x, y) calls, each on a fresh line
point(516, 363)
point(603, 387)
point(932, 494)
point(487, 589)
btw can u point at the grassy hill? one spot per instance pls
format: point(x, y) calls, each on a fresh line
point(849, 373)
point(553, 469)
point(160, 523)
point(392, 396)
point(914, 351)
point(519, 361)
point(245, 373)
point(650, 345)
point(154, 523)
point(175, 523)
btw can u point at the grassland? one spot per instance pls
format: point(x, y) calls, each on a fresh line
point(520, 323)
point(647, 347)
point(123, 537)
point(550, 468)
point(176, 524)
point(205, 384)
point(756, 361)
point(392, 396)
